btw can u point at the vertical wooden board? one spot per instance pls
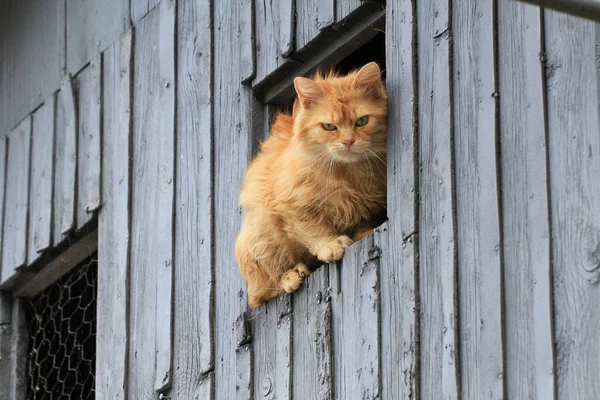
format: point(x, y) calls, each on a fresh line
point(312, 344)
point(5, 339)
point(91, 27)
point(19, 345)
point(16, 203)
point(529, 372)
point(272, 342)
point(274, 24)
point(113, 222)
point(311, 17)
point(398, 238)
point(356, 324)
point(88, 142)
point(246, 40)
point(152, 204)
point(139, 8)
point(3, 148)
point(574, 165)
point(31, 54)
point(437, 283)
point(477, 208)
point(345, 7)
point(40, 189)
point(193, 327)
point(166, 128)
point(65, 162)
point(232, 125)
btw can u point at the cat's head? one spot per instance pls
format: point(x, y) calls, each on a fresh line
point(342, 117)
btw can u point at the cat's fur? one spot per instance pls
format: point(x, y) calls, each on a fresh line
point(312, 192)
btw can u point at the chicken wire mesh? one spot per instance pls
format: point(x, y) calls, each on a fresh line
point(62, 326)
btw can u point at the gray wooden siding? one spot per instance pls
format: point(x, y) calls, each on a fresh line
point(482, 283)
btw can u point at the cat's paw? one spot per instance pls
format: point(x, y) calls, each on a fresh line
point(292, 279)
point(334, 250)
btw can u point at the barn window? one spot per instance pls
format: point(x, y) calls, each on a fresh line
point(62, 327)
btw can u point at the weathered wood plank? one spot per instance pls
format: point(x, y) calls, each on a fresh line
point(139, 8)
point(526, 239)
point(582, 8)
point(356, 324)
point(16, 202)
point(398, 239)
point(311, 17)
point(166, 128)
point(193, 327)
point(312, 351)
point(88, 142)
point(246, 40)
point(65, 162)
point(437, 265)
point(113, 224)
point(40, 188)
point(477, 207)
point(272, 340)
point(19, 343)
point(91, 27)
point(233, 124)
point(345, 7)
point(31, 54)
point(152, 204)
point(3, 148)
point(5, 339)
point(574, 166)
point(274, 24)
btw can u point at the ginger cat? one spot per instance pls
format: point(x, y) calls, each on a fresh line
point(318, 183)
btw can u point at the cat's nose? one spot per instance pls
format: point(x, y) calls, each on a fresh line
point(348, 142)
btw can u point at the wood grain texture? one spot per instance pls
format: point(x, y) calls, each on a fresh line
point(193, 329)
point(477, 207)
point(152, 193)
point(16, 201)
point(272, 342)
point(113, 222)
point(19, 344)
point(355, 327)
point(437, 283)
point(311, 17)
point(232, 124)
point(312, 344)
point(139, 9)
point(246, 40)
point(91, 27)
point(398, 239)
point(274, 24)
point(3, 149)
point(5, 335)
point(65, 162)
point(574, 166)
point(526, 239)
point(345, 7)
point(31, 54)
point(88, 141)
point(40, 188)
point(166, 131)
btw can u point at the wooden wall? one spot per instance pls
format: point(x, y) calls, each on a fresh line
point(483, 283)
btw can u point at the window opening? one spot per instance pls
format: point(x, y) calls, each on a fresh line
point(62, 326)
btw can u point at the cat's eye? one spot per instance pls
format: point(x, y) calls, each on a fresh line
point(329, 127)
point(362, 121)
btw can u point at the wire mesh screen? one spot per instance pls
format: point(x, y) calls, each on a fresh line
point(62, 355)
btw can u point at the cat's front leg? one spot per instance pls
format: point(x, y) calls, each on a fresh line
point(332, 250)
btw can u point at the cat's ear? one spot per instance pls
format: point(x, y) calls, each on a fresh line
point(369, 76)
point(308, 91)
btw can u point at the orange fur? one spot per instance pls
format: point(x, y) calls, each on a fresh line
point(310, 190)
